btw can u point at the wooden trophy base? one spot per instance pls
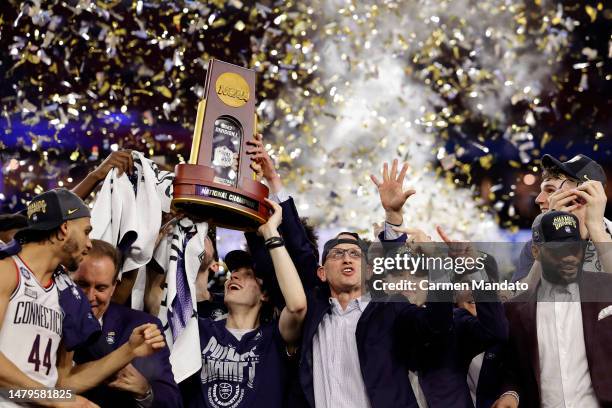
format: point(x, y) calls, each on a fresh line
point(199, 196)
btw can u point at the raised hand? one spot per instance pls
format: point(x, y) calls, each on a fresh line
point(261, 162)
point(391, 191)
point(146, 340)
point(417, 240)
point(563, 200)
point(457, 249)
point(594, 197)
point(121, 159)
point(270, 228)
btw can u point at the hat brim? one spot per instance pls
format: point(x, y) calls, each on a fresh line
point(550, 162)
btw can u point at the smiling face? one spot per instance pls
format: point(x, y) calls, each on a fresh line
point(342, 269)
point(96, 276)
point(243, 288)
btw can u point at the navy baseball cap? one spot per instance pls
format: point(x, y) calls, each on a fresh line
point(579, 167)
point(12, 221)
point(556, 226)
point(337, 241)
point(238, 259)
point(51, 209)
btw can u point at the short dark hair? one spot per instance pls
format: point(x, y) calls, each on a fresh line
point(12, 221)
point(555, 172)
point(101, 249)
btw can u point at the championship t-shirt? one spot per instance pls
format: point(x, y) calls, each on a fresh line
point(245, 373)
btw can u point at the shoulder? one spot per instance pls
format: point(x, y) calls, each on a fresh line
point(8, 276)
point(7, 264)
point(597, 282)
point(596, 277)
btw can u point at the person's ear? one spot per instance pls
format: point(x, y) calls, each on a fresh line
point(63, 231)
point(322, 274)
point(535, 251)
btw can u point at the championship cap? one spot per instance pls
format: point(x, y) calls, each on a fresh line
point(51, 209)
point(555, 226)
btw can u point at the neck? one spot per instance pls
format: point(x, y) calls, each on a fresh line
point(41, 258)
point(242, 317)
point(344, 297)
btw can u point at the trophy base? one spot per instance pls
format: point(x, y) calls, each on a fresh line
point(198, 196)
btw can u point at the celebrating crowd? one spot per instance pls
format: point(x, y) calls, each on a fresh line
point(122, 306)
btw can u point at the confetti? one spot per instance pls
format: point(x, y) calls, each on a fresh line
point(341, 87)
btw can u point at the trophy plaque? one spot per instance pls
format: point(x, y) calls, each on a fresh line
point(218, 184)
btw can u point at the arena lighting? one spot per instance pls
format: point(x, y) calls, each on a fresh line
point(529, 179)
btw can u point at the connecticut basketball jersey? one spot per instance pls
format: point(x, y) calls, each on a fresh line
point(32, 326)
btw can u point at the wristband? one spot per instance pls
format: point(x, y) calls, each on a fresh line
point(274, 242)
point(514, 394)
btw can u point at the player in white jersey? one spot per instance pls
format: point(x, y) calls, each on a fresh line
point(31, 353)
point(33, 315)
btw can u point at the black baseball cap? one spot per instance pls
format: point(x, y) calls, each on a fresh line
point(556, 226)
point(238, 259)
point(51, 209)
point(579, 167)
point(12, 221)
point(337, 241)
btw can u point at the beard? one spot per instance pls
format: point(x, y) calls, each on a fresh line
point(561, 273)
point(70, 249)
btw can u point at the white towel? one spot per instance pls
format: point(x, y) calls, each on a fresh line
point(127, 211)
point(183, 341)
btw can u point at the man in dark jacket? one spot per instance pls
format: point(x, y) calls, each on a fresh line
point(560, 331)
point(353, 344)
point(146, 382)
point(477, 326)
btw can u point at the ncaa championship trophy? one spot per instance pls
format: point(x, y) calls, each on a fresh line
point(218, 184)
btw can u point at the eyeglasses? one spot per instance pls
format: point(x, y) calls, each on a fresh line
point(337, 253)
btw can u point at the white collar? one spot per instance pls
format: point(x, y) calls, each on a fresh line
point(361, 301)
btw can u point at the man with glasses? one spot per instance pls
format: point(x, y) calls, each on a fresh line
point(575, 186)
point(355, 346)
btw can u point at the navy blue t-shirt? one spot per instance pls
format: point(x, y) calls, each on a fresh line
point(238, 374)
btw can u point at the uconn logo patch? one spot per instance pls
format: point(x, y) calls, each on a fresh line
point(225, 395)
point(24, 272)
